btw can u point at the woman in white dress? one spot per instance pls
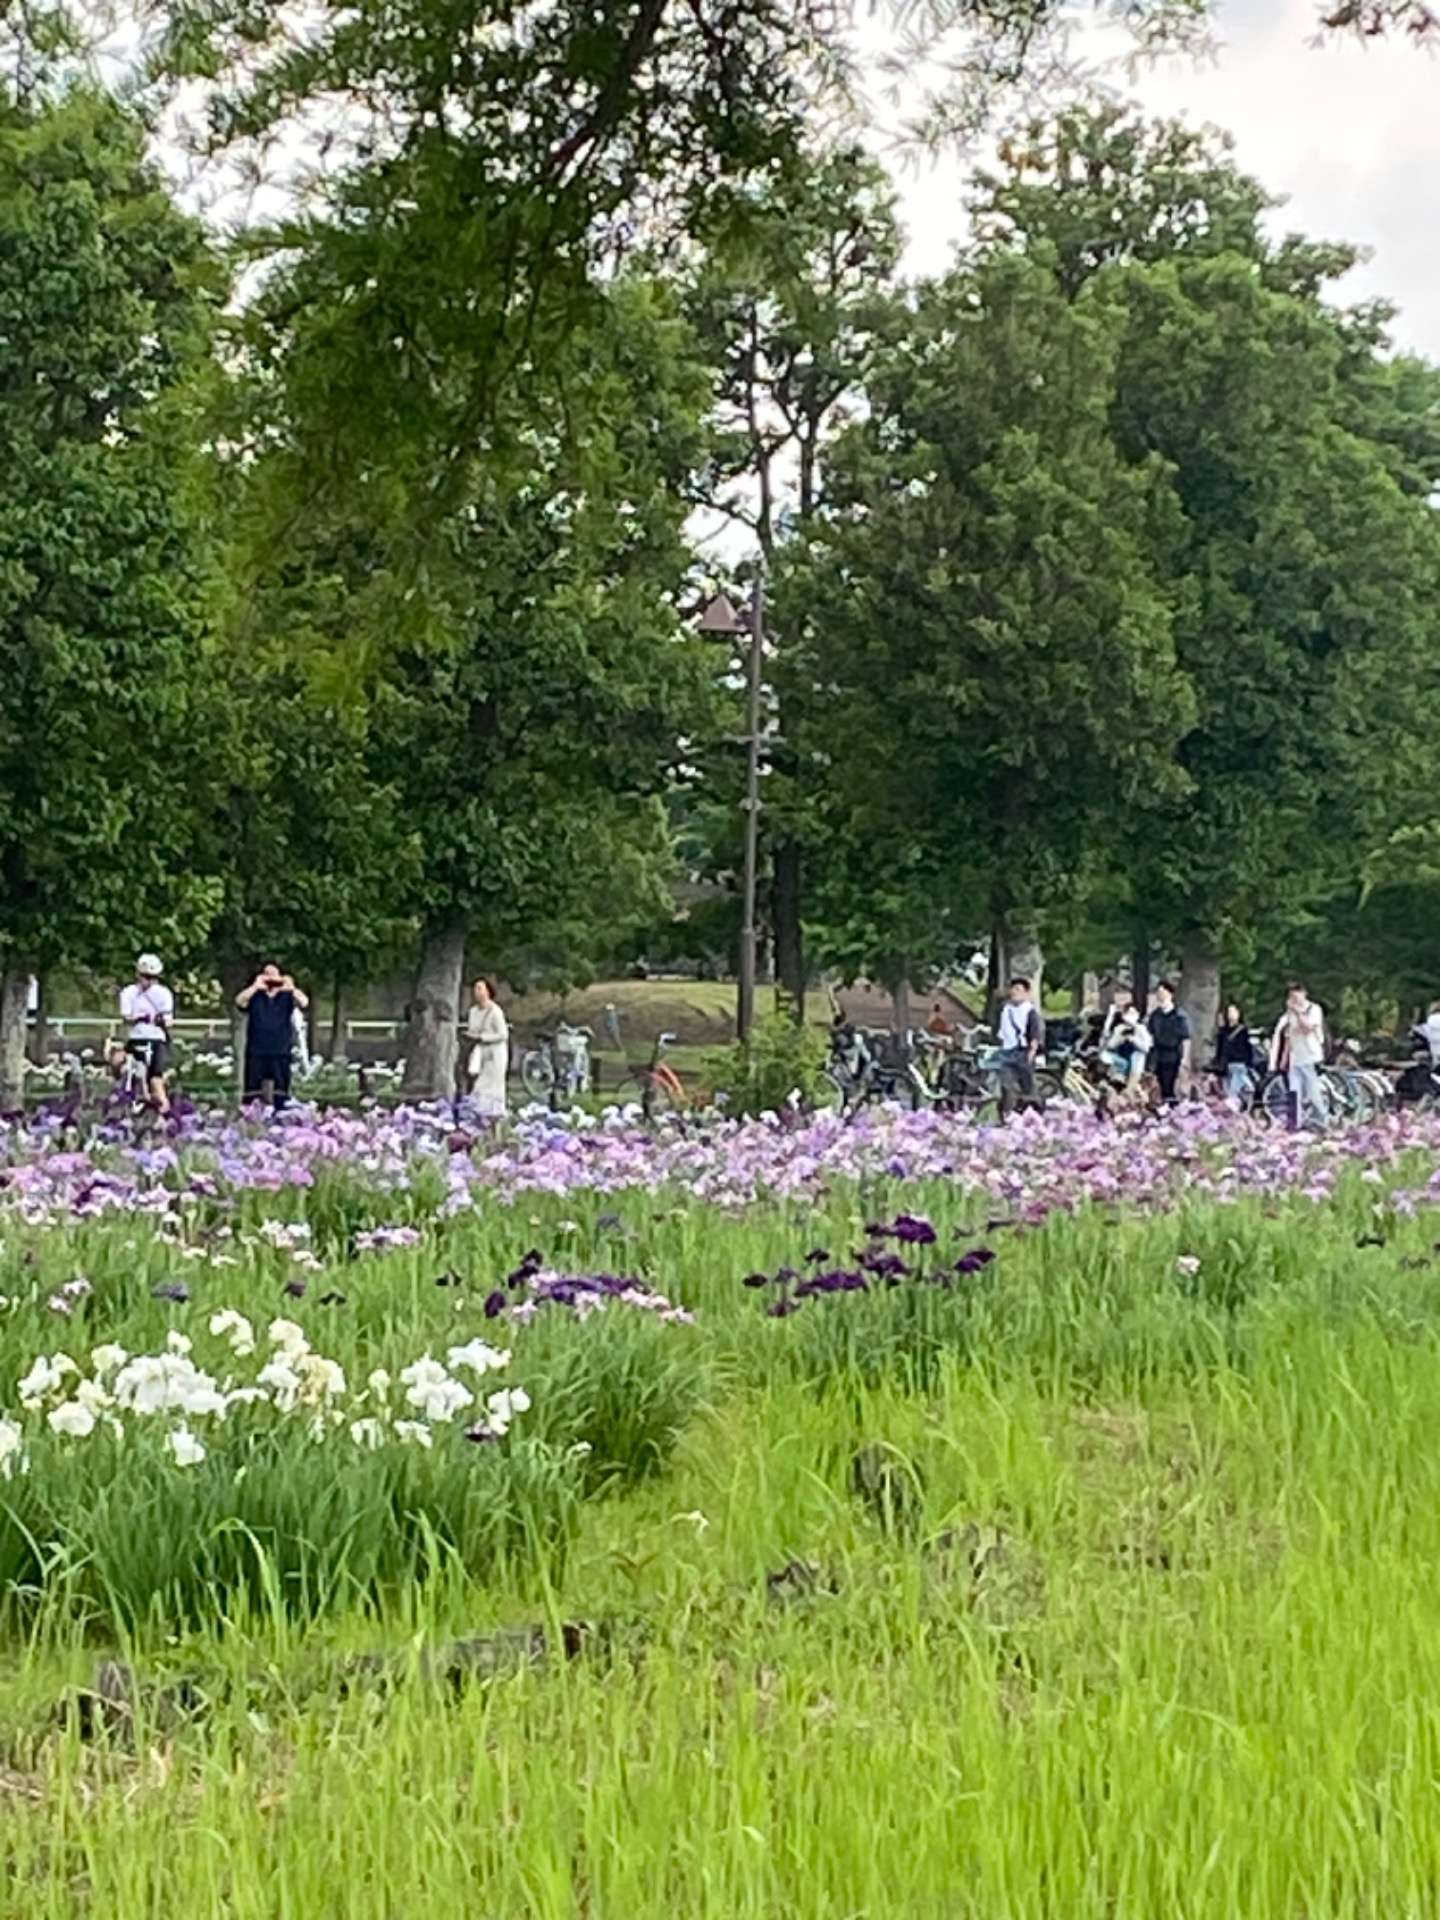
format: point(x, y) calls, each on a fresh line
point(488, 1032)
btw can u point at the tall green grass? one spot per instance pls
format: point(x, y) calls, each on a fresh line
point(1148, 1628)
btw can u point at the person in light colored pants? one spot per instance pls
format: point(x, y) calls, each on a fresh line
point(1307, 1095)
point(1297, 1049)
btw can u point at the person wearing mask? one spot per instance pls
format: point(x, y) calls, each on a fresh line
point(1169, 1040)
point(1297, 1049)
point(270, 1004)
point(1125, 1040)
point(1021, 1037)
point(1235, 1063)
point(147, 1007)
point(489, 1034)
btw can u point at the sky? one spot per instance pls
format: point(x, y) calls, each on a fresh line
point(1350, 134)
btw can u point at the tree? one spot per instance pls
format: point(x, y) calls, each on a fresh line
point(988, 674)
point(1304, 569)
point(527, 686)
point(786, 303)
point(106, 294)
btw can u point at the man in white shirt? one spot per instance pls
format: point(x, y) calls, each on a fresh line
point(1297, 1049)
point(1020, 1038)
point(147, 1007)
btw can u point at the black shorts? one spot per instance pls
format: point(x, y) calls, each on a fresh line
point(155, 1054)
point(263, 1067)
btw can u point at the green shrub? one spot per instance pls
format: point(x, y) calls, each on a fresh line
point(777, 1063)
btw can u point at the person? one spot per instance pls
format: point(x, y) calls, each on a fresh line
point(147, 1006)
point(1021, 1036)
point(938, 1025)
point(1430, 1027)
point(1125, 1040)
point(1169, 1039)
point(1297, 1049)
point(1235, 1063)
point(489, 1034)
point(270, 1003)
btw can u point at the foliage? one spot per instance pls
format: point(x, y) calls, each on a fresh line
point(984, 545)
point(767, 1071)
point(1303, 564)
point(104, 566)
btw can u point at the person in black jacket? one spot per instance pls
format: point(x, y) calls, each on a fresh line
point(1170, 1040)
point(1235, 1060)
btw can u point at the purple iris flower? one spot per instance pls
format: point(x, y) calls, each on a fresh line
point(495, 1304)
point(913, 1231)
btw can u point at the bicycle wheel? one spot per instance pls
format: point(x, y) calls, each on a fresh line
point(830, 1093)
point(537, 1074)
point(1273, 1099)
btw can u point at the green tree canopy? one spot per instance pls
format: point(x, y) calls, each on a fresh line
point(106, 295)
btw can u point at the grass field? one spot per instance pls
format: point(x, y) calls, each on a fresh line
point(1097, 1581)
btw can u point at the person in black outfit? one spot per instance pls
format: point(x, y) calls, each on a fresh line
point(1236, 1063)
point(1170, 1040)
point(270, 1003)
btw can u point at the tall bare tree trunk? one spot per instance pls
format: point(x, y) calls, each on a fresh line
point(1200, 997)
point(788, 933)
point(1140, 970)
point(1024, 959)
point(37, 1046)
point(235, 975)
point(339, 1025)
point(900, 1005)
point(14, 997)
point(432, 1039)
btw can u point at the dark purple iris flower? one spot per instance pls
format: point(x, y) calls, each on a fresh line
point(973, 1262)
point(785, 1275)
point(495, 1304)
point(296, 1289)
point(333, 1298)
point(817, 1257)
point(481, 1434)
point(756, 1280)
point(782, 1309)
point(913, 1231)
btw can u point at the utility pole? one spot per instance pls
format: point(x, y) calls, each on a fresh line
point(745, 1009)
point(721, 618)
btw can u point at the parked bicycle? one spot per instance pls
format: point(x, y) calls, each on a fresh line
point(655, 1087)
point(558, 1070)
point(866, 1068)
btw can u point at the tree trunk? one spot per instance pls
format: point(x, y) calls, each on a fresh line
point(1024, 959)
point(1200, 996)
point(788, 933)
point(38, 1045)
point(339, 1025)
point(14, 997)
point(432, 1038)
point(235, 975)
point(995, 979)
point(1140, 971)
point(900, 1003)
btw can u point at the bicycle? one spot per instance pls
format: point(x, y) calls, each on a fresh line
point(558, 1069)
point(655, 1087)
point(130, 1063)
point(873, 1068)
